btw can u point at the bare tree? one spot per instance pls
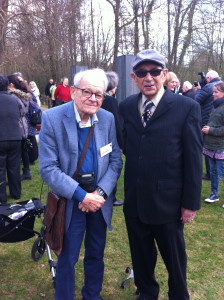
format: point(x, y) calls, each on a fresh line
point(180, 28)
point(3, 28)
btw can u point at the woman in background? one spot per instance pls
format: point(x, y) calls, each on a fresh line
point(171, 81)
point(35, 91)
point(214, 141)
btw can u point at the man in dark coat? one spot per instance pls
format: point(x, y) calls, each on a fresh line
point(187, 90)
point(163, 145)
point(204, 96)
point(10, 142)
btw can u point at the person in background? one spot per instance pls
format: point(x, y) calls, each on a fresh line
point(204, 96)
point(21, 89)
point(10, 142)
point(52, 91)
point(62, 92)
point(47, 92)
point(171, 81)
point(187, 90)
point(35, 91)
point(110, 104)
point(214, 141)
point(62, 137)
point(162, 178)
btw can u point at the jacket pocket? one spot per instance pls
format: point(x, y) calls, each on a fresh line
point(169, 184)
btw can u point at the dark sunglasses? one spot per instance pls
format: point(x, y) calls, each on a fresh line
point(153, 73)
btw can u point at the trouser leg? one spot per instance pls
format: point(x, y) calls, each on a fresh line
point(3, 158)
point(214, 176)
point(13, 168)
point(65, 273)
point(95, 241)
point(144, 257)
point(170, 241)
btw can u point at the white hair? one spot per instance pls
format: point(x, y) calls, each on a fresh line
point(89, 74)
point(187, 84)
point(212, 74)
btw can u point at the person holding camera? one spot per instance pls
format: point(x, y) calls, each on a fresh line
point(64, 132)
point(204, 96)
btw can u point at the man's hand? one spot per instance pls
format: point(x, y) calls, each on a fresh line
point(205, 129)
point(187, 215)
point(92, 202)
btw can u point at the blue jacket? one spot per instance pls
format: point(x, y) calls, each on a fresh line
point(58, 155)
point(204, 97)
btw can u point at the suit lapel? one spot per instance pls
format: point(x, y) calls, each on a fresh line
point(99, 136)
point(163, 106)
point(70, 125)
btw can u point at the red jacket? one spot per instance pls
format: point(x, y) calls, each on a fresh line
point(62, 92)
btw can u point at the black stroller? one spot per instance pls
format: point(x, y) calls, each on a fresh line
point(17, 224)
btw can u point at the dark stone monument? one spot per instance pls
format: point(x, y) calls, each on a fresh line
point(126, 86)
point(74, 70)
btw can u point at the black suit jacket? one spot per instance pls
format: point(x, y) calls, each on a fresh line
point(110, 104)
point(163, 160)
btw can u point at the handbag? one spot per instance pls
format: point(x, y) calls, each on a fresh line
point(54, 212)
point(27, 144)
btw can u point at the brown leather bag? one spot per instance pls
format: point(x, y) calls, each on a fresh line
point(54, 213)
point(54, 222)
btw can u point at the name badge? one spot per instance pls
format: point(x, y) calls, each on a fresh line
point(105, 149)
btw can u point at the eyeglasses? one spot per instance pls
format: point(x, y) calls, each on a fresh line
point(153, 73)
point(87, 94)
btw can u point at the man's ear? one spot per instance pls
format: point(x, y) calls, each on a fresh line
point(164, 74)
point(133, 76)
point(72, 90)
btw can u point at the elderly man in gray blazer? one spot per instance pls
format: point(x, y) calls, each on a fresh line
point(89, 207)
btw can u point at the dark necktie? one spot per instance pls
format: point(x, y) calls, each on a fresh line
point(147, 114)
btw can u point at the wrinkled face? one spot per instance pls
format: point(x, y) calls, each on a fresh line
point(172, 84)
point(149, 85)
point(217, 94)
point(86, 105)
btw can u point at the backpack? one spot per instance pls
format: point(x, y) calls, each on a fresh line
point(35, 113)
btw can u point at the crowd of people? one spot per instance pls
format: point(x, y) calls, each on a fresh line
point(162, 131)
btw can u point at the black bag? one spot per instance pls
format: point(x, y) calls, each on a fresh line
point(27, 144)
point(35, 113)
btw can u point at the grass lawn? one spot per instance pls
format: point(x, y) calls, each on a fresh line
point(23, 279)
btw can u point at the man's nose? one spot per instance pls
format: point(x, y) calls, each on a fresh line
point(93, 97)
point(148, 76)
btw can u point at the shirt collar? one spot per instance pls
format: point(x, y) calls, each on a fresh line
point(92, 120)
point(155, 100)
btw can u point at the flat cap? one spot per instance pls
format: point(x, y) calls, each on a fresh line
point(149, 55)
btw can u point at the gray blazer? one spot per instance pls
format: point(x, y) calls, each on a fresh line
point(58, 155)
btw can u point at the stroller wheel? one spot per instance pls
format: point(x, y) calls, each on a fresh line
point(38, 249)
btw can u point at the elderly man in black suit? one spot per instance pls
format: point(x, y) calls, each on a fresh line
point(163, 145)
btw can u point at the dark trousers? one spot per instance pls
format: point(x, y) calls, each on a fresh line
point(93, 226)
point(10, 155)
point(170, 241)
